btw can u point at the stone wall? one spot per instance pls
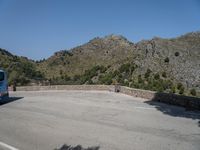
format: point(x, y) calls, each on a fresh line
point(137, 92)
point(66, 87)
point(173, 99)
point(180, 100)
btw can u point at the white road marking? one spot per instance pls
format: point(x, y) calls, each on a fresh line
point(4, 145)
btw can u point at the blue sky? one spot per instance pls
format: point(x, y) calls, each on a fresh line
point(38, 28)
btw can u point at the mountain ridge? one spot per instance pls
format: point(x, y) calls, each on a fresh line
point(174, 59)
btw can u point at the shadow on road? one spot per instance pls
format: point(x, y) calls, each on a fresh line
point(9, 100)
point(78, 147)
point(170, 109)
point(174, 111)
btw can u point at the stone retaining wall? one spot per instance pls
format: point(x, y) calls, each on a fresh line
point(180, 100)
point(137, 92)
point(66, 87)
point(173, 99)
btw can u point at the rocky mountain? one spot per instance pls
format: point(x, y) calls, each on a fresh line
point(178, 57)
point(171, 65)
point(111, 50)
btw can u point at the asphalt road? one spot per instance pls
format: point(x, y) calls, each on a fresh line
point(47, 119)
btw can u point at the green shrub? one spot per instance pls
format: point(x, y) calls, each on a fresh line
point(193, 92)
point(67, 78)
point(160, 88)
point(173, 89)
point(179, 86)
point(181, 90)
point(106, 79)
point(67, 53)
point(164, 75)
point(132, 68)
point(167, 84)
point(157, 76)
point(116, 73)
point(140, 79)
point(61, 72)
point(157, 86)
point(126, 82)
point(120, 80)
point(124, 68)
point(90, 81)
point(76, 77)
point(102, 69)
point(147, 74)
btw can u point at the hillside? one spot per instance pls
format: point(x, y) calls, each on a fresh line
point(111, 50)
point(170, 65)
point(20, 69)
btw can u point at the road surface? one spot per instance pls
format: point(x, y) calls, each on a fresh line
point(46, 120)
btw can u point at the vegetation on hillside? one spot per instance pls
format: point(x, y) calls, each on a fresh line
point(20, 70)
point(125, 76)
point(165, 65)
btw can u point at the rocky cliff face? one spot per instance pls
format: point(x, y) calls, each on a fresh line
point(178, 57)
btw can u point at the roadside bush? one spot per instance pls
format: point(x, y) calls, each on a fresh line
point(120, 80)
point(193, 92)
point(90, 81)
point(167, 84)
point(158, 85)
point(181, 91)
point(173, 89)
point(106, 79)
point(179, 86)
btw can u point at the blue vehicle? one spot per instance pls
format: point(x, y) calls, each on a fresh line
point(3, 85)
